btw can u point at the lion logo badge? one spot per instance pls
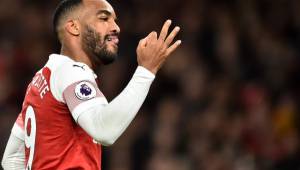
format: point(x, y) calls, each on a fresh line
point(85, 91)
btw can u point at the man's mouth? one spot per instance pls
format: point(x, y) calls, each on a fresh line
point(113, 38)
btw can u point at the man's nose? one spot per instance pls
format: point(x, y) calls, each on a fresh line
point(116, 27)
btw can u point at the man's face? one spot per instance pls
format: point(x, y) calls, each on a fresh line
point(99, 32)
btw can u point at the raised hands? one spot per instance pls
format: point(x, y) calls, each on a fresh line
point(152, 51)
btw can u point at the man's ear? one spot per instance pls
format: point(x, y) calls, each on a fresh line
point(73, 27)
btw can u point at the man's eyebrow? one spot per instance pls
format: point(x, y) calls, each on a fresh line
point(102, 11)
point(106, 12)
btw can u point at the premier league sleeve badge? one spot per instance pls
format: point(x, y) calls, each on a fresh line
point(85, 91)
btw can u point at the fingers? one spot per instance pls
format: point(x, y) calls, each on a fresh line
point(164, 30)
point(172, 35)
point(173, 47)
point(164, 40)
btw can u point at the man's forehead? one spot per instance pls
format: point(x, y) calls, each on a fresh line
point(98, 5)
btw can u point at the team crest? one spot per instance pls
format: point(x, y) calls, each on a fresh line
point(85, 91)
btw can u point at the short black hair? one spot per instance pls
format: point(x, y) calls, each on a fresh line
point(64, 7)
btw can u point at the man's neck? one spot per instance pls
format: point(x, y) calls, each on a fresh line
point(76, 55)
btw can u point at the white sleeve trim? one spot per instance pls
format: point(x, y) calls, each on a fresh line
point(106, 123)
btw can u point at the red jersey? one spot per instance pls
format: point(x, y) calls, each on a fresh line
point(47, 122)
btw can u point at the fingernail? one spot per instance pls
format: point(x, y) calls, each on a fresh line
point(169, 21)
point(179, 42)
point(177, 28)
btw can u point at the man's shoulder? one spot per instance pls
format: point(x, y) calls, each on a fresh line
point(65, 72)
point(74, 70)
point(65, 66)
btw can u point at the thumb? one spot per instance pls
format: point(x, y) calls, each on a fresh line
point(152, 35)
point(143, 42)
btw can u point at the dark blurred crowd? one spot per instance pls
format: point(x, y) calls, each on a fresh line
point(228, 99)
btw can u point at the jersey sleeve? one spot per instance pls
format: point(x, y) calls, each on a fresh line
point(14, 154)
point(106, 123)
point(75, 85)
point(18, 128)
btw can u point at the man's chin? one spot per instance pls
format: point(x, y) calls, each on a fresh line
point(112, 49)
point(108, 57)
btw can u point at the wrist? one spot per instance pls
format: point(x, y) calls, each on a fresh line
point(145, 72)
point(152, 70)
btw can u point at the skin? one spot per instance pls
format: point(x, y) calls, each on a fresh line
point(90, 36)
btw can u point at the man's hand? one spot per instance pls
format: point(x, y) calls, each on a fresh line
point(152, 51)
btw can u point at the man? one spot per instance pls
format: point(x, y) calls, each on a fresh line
point(65, 118)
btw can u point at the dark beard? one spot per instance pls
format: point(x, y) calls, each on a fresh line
point(94, 46)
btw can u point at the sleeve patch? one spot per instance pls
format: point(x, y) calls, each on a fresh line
point(85, 91)
point(81, 92)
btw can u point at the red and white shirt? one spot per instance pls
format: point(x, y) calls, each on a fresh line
point(58, 94)
point(62, 109)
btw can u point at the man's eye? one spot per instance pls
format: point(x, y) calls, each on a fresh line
point(104, 18)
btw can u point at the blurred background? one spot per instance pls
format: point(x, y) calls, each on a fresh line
point(228, 99)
